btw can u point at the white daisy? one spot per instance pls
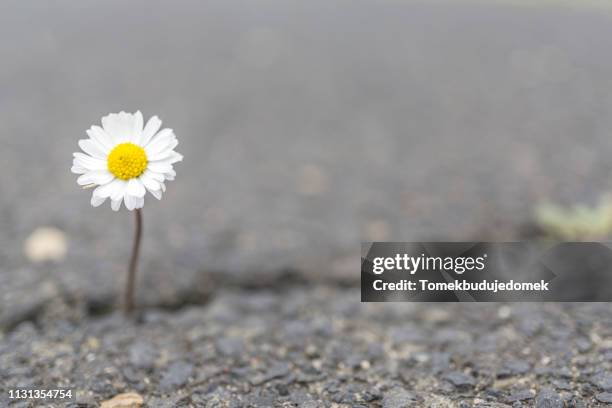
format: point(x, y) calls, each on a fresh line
point(124, 159)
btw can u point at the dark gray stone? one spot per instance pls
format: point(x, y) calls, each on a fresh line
point(576, 402)
point(142, 355)
point(398, 398)
point(231, 346)
point(460, 380)
point(520, 395)
point(514, 367)
point(605, 397)
point(603, 381)
point(85, 401)
point(176, 375)
point(279, 370)
point(311, 404)
point(547, 398)
point(583, 344)
point(562, 385)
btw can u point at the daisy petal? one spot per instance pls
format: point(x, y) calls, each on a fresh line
point(160, 142)
point(150, 130)
point(78, 169)
point(149, 182)
point(170, 146)
point(120, 126)
point(170, 175)
point(107, 190)
point(175, 157)
point(95, 177)
point(111, 127)
point(92, 148)
point(119, 190)
point(139, 202)
point(116, 204)
point(130, 201)
point(97, 201)
point(100, 191)
point(159, 167)
point(169, 157)
point(135, 188)
point(165, 153)
point(154, 175)
point(156, 193)
point(89, 162)
point(97, 133)
point(105, 151)
point(137, 129)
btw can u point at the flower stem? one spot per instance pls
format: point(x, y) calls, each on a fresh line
point(131, 278)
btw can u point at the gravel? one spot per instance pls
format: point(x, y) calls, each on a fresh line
point(398, 398)
point(604, 397)
point(514, 367)
point(176, 376)
point(548, 398)
point(460, 380)
point(300, 354)
point(603, 381)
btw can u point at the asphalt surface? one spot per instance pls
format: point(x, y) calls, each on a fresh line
point(319, 347)
point(306, 127)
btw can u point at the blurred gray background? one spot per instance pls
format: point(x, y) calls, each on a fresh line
point(306, 126)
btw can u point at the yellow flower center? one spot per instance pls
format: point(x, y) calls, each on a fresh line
point(127, 161)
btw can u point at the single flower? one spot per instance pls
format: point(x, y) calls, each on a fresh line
point(124, 159)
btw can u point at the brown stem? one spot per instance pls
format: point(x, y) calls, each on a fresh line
point(131, 278)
